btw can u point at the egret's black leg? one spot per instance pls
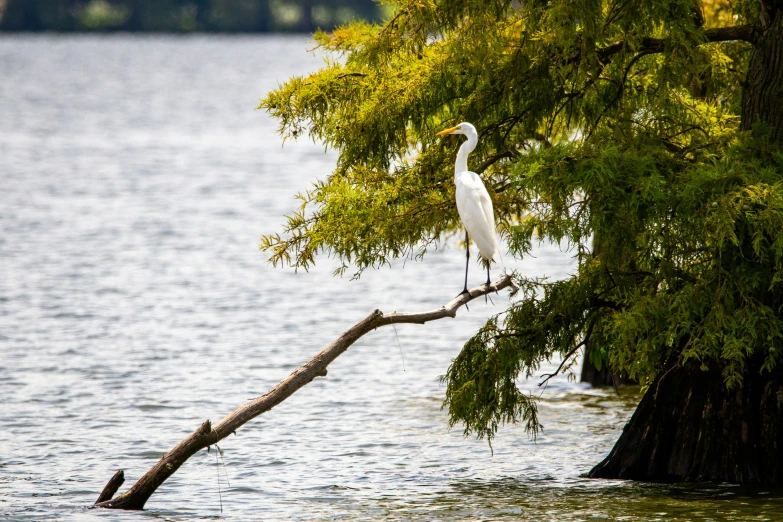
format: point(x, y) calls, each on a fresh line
point(486, 296)
point(467, 261)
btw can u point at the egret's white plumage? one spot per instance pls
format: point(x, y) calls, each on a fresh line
point(473, 202)
point(475, 210)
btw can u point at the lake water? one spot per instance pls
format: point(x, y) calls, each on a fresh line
point(135, 182)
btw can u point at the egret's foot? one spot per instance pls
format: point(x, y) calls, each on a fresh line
point(465, 291)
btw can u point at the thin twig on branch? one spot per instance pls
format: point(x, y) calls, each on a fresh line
point(548, 376)
point(585, 340)
point(207, 434)
point(497, 157)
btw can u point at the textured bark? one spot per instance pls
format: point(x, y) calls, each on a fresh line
point(111, 487)
point(136, 497)
point(689, 427)
point(142, 490)
point(762, 94)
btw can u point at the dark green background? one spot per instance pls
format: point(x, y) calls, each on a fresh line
point(183, 15)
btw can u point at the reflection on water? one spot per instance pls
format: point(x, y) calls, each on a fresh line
point(136, 180)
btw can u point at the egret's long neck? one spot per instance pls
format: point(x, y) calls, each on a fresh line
point(462, 155)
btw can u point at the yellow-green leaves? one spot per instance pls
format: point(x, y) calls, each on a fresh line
point(607, 125)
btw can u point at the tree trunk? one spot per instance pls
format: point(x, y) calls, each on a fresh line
point(305, 23)
point(689, 427)
point(762, 94)
point(603, 377)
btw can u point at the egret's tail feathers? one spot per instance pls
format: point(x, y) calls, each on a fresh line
point(497, 258)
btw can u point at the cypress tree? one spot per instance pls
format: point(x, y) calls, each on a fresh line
point(646, 135)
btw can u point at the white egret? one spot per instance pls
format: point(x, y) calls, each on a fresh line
point(473, 202)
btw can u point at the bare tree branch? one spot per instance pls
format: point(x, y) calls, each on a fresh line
point(497, 157)
point(136, 497)
point(548, 376)
point(345, 75)
point(585, 340)
point(111, 487)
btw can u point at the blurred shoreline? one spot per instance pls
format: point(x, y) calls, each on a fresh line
point(184, 16)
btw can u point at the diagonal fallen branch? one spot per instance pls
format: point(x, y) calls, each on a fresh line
point(206, 434)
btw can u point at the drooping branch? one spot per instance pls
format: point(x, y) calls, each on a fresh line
point(584, 342)
point(746, 33)
point(136, 497)
point(567, 357)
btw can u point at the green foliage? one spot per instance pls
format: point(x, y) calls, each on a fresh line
point(99, 14)
point(610, 126)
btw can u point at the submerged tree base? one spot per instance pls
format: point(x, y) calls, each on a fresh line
point(689, 427)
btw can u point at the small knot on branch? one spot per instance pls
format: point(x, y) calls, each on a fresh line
point(205, 429)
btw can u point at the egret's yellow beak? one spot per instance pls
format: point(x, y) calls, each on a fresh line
point(447, 131)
